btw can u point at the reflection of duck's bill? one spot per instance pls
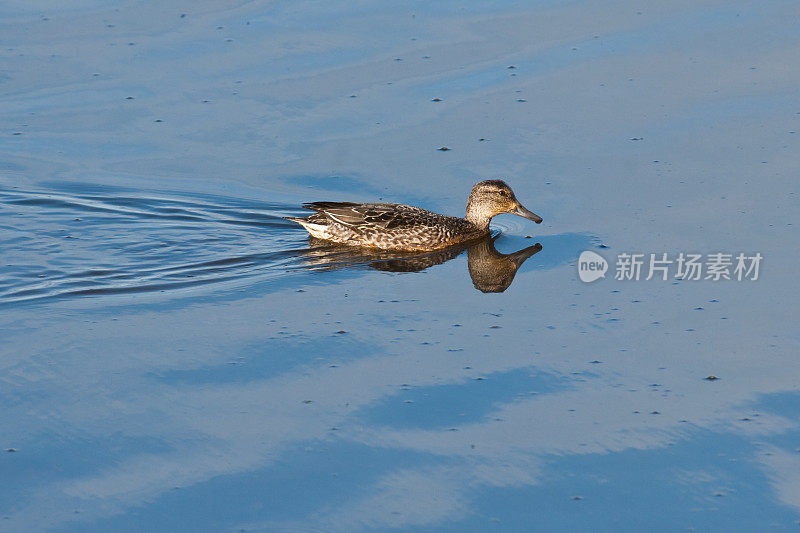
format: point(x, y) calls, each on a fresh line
point(520, 256)
point(521, 211)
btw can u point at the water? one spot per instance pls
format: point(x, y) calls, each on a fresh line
point(177, 356)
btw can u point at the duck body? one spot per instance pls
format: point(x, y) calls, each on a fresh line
point(387, 226)
point(409, 228)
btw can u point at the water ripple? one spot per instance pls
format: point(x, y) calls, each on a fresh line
point(63, 243)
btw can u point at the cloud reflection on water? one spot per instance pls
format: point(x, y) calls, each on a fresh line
point(180, 370)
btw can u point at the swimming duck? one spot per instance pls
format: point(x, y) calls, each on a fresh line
point(410, 228)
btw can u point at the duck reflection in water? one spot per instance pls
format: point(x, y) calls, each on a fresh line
point(490, 270)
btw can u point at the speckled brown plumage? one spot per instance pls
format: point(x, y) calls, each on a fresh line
point(409, 228)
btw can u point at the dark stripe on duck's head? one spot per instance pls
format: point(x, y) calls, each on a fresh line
point(492, 197)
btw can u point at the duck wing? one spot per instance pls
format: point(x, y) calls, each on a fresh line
point(386, 216)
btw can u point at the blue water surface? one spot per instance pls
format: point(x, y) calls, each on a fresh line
point(177, 356)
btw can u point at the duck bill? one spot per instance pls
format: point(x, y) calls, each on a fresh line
point(521, 211)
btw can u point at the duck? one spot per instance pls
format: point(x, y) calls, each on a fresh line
point(409, 228)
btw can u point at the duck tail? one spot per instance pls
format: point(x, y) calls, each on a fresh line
point(314, 228)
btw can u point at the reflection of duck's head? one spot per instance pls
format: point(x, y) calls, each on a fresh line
point(493, 197)
point(492, 271)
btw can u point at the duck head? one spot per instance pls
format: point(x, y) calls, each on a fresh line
point(493, 197)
